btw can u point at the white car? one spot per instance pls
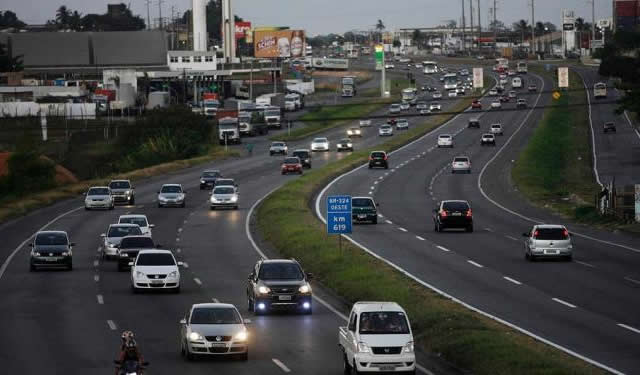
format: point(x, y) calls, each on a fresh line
point(278, 147)
point(113, 237)
point(496, 104)
point(402, 124)
point(424, 112)
point(461, 164)
point(488, 139)
point(320, 144)
point(405, 106)
point(385, 130)
point(155, 269)
point(453, 93)
point(395, 108)
point(437, 95)
point(435, 107)
point(496, 129)
point(389, 66)
point(493, 92)
point(445, 140)
point(224, 196)
point(503, 81)
point(365, 123)
point(421, 105)
point(418, 66)
point(99, 197)
point(171, 195)
point(460, 91)
point(354, 132)
point(512, 94)
point(139, 220)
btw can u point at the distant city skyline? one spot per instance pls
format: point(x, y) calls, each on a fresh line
point(334, 16)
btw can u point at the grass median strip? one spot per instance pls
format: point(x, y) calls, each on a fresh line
point(466, 339)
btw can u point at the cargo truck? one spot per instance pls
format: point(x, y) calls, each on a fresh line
point(349, 86)
point(228, 130)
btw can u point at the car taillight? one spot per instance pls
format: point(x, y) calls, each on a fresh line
point(469, 213)
point(385, 157)
point(370, 158)
point(535, 234)
point(443, 213)
point(565, 233)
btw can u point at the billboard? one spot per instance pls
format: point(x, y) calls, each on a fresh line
point(279, 43)
point(241, 29)
point(324, 63)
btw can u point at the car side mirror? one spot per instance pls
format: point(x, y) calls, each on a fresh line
point(152, 225)
point(525, 234)
point(72, 244)
point(103, 235)
point(250, 277)
point(246, 321)
point(158, 192)
point(158, 246)
point(309, 276)
point(31, 245)
point(116, 362)
point(130, 264)
point(183, 321)
point(145, 363)
point(180, 264)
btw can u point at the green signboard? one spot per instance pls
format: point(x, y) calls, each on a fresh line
point(379, 56)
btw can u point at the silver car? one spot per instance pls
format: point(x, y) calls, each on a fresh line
point(122, 191)
point(394, 108)
point(422, 105)
point(171, 195)
point(385, 130)
point(278, 148)
point(98, 197)
point(405, 106)
point(402, 124)
point(140, 220)
point(496, 129)
point(113, 237)
point(548, 241)
point(437, 95)
point(461, 164)
point(224, 196)
point(435, 107)
point(214, 329)
point(320, 144)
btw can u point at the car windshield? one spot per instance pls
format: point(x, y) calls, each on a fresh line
point(121, 231)
point(402, 120)
point(171, 189)
point(395, 106)
point(455, 206)
point(320, 140)
point(98, 191)
point(139, 220)
point(301, 154)
point(155, 259)
point(211, 174)
point(495, 126)
point(215, 315)
point(362, 202)
point(383, 323)
point(277, 144)
point(345, 140)
point(51, 239)
point(461, 160)
point(445, 136)
point(378, 155)
point(280, 271)
point(291, 161)
point(385, 127)
point(119, 185)
point(224, 190)
point(137, 242)
point(550, 234)
point(225, 182)
point(488, 135)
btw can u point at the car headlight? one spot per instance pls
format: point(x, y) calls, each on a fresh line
point(349, 144)
point(408, 348)
point(305, 289)
point(128, 192)
point(139, 274)
point(195, 336)
point(202, 181)
point(36, 254)
point(180, 197)
point(234, 198)
point(241, 336)
point(173, 274)
point(570, 247)
point(363, 348)
point(65, 253)
point(264, 290)
point(111, 245)
point(161, 198)
point(214, 200)
point(124, 255)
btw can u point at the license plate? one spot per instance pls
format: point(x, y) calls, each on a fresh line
point(156, 281)
point(284, 298)
point(362, 216)
point(387, 368)
point(218, 345)
point(551, 251)
point(51, 259)
point(456, 214)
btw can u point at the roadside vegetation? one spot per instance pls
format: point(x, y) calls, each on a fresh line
point(465, 339)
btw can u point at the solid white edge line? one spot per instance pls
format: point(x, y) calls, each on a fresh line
point(585, 264)
point(564, 302)
point(439, 291)
point(631, 124)
point(632, 280)
point(475, 264)
point(523, 217)
point(629, 328)
point(420, 238)
point(112, 325)
point(443, 248)
point(6, 262)
point(593, 139)
point(100, 299)
point(512, 280)
point(402, 229)
point(281, 365)
point(197, 281)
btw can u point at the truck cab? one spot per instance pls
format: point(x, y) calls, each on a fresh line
point(378, 338)
point(348, 86)
point(291, 102)
point(228, 130)
point(210, 107)
point(273, 117)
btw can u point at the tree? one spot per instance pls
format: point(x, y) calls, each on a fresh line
point(417, 37)
point(617, 61)
point(539, 29)
point(580, 27)
point(397, 43)
point(62, 17)
point(9, 63)
point(452, 24)
point(550, 27)
point(10, 19)
point(521, 27)
point(380, 25)
point(497, 25)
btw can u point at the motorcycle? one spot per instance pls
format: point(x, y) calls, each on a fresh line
point(130, 367)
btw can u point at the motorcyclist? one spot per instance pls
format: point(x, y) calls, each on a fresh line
point(129, 352)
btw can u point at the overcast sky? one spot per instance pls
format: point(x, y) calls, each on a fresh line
point(337, 16)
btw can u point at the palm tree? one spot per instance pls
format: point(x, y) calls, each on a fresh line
point(580, 28)
point(521, 26)
point(62, 16)
point(417, 37)
point(539, 29)
point(380, 25)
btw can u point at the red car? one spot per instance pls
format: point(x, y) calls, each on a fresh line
point(392, 121)
point(476, 104)
point(292, 165)
point(504, 99)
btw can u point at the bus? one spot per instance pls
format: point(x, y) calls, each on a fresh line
point(522, 67)
point(450, 81)
point(430, 67)
point(600, 90)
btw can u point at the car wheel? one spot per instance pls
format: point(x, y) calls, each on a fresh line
point(176, 290)
point(469, 171)
point(190, 357)
point(346, 367)
point(32, 268)
point(70, 267)
point(568, 258)
point(159, 205)
point(244, 356)
point(270, 153)
point(134, 289)
point(283, 173)
point(213, 208)
point(183, 205)
point(370, 166)
point(469, 229)
point(300, 172)
point(86, 208)
point(132, 201)
point(437, 227)
point(249, 304)
point(374, 221)
point(120, 267)
point(386, 166)
point(112, 207)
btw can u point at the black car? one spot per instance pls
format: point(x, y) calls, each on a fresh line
point(474, 123)
point(129, 248)
point(51, 249)
point(364, 209)
point(305, 157)
point(208, 179)
point(609, 126)
point(278, 284)
point(453, 214)
point(378, 159)
point(345, 144)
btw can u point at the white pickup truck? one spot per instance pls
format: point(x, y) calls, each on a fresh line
point(378, 338)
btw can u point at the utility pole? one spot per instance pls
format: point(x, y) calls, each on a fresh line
point(471, 21)
point(160, 13)
point(464, 42)
point(495, 27)
point(593, 23)
point(148, 2)
point(533, 28)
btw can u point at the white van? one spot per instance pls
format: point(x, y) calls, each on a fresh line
point(516, 82)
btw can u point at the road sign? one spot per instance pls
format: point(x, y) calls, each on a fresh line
point(379, 53)
point(339, 214)
point(556, 95)
point(563, 77)
point(478, 78)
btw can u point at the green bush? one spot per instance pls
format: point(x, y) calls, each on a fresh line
point(28, 173)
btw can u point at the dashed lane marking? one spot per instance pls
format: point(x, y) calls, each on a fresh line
point(511, 238)
point(96, 278)
point(96, 263)
point(564, 303)
point(475, 264)
point(100, 299)
point(282, 366)
point(443, 248)
point(402, 229)
point(388, 221)
point(629, 328)
point(632, 280)
point(197, 281)
point(112, 325)
point(420, 238)
point(512, 280)
point(585, 264)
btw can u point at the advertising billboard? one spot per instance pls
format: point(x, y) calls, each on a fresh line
point(241, 29)
point(337, 64)
point(279, 43)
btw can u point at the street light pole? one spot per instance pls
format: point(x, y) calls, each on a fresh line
point(533, 28)
point(593, 25)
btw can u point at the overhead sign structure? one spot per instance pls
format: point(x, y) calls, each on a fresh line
point(379, 56)
point(563, 77)
point(326, 63)
point(339, 214)
point(478, 78)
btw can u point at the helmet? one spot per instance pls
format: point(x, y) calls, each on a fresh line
point(127, 335)
point(131, 343)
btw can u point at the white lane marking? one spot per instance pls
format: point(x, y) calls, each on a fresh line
point(632, 280)
point(96, 278)
point(475, 264)
point(112, 325)
point(512, 280)
point(197, 281)
point(564, 302)
point(100, 299)
point(185, 265)
point(179, 230)
point(6, 262)
point(371, 193)
point(388, 221)
point(178, 250)
point(99, 248)
point(593, 138)
point(140, 206)
point(380, 178)
point(629, 328)
point(380, 216)
point(631, 124)
point(511, 238)
point(185, 221)
point(585, 264)
point(402, 229)
point(281, 365)
point(96, 263)
point(375, 183)
point(488, 229)
point(523, 217)
point(443, 248)
point(215, 300)
point(420, 238)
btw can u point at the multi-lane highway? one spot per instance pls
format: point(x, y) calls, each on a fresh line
point(588, 306)
point(69, 322)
